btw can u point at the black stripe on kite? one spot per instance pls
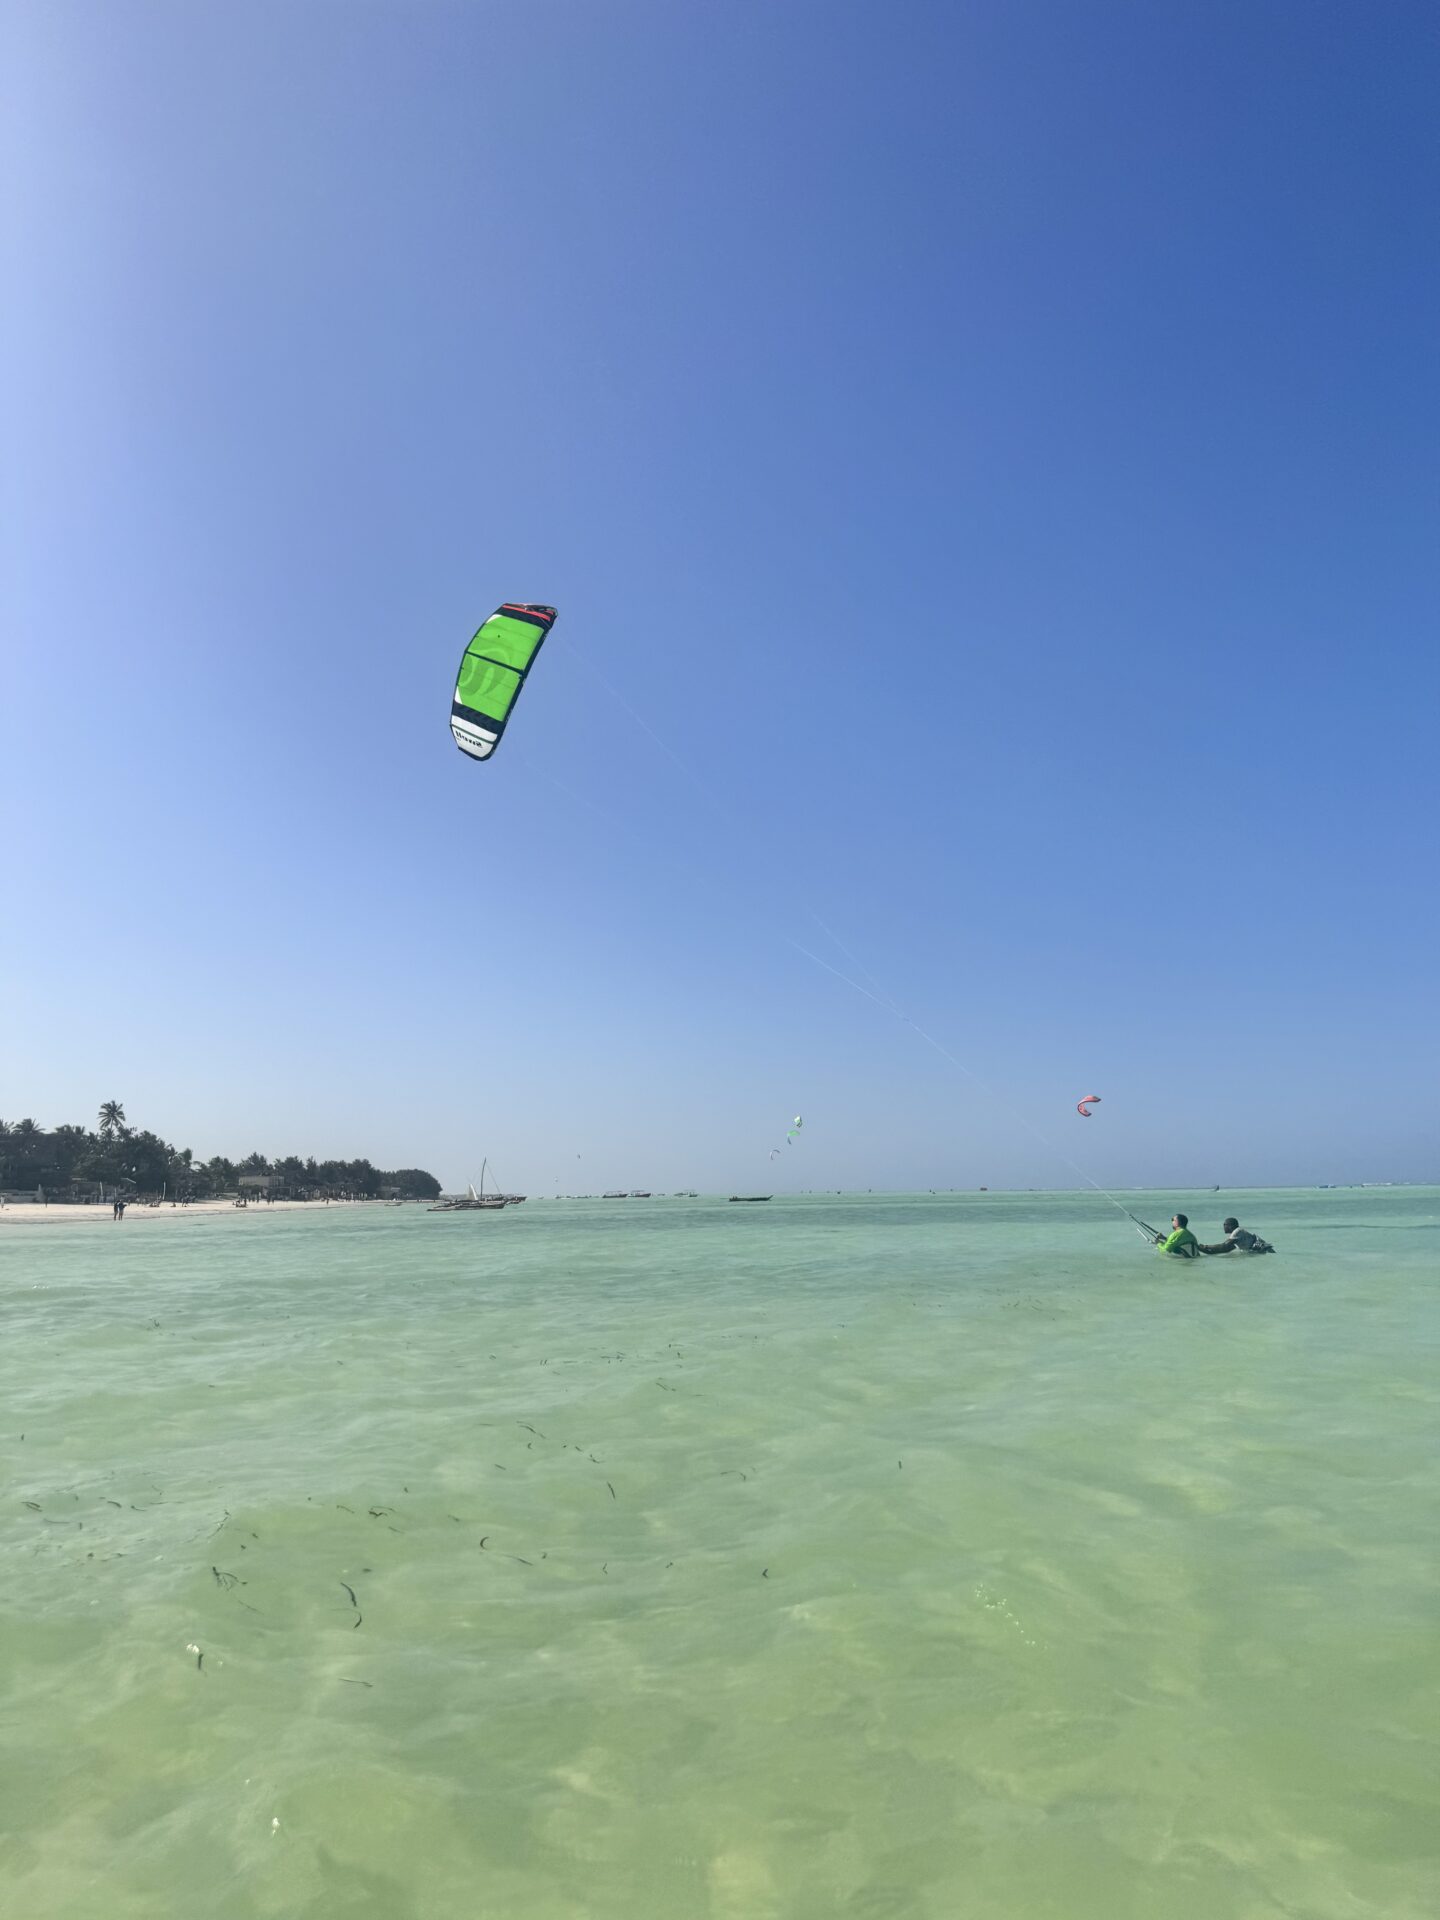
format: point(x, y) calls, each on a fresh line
point(505, 666)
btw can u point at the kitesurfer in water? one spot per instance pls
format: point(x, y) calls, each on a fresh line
point(1238, 1239)
point(1181, 1240)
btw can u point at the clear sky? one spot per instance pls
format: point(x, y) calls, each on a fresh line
point(993, 450)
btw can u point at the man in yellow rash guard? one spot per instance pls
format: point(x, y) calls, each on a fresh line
point(1181, 1241)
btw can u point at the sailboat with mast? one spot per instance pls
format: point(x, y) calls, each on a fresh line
point(472, 1202)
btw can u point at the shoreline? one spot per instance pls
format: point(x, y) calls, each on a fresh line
point(33, 1213)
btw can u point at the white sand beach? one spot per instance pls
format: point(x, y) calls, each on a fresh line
point(30, 1213)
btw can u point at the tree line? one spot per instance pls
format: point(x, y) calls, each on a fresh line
point(124, 1159)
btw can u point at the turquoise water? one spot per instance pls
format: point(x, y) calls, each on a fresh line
point(875, 1557)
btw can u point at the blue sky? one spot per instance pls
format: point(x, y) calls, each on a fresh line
point(992, 449)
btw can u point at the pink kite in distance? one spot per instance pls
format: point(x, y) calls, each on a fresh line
point(1082, 1107)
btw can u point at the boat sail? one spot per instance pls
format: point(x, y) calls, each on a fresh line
point(471, 1201)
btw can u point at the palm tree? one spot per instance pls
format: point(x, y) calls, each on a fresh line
point(112, 1119)
point(26, 1141)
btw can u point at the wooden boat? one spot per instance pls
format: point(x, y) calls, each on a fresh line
point(472, 1202)
point(748, 1199)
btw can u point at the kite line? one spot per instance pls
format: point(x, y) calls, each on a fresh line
point(875, 992)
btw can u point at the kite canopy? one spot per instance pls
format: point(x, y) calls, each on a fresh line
point(492, 672)
point(1082, 1107)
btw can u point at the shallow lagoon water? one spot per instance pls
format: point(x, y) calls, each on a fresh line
point(876, 1556)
